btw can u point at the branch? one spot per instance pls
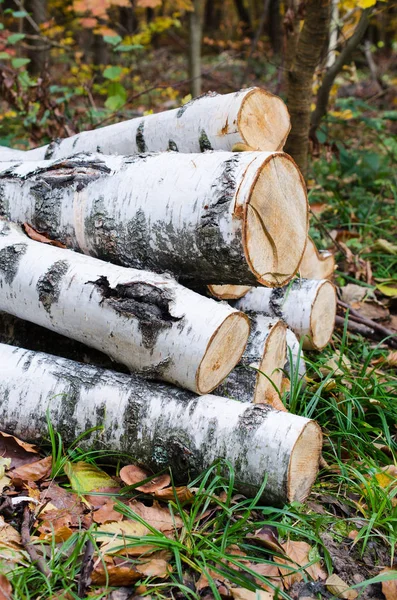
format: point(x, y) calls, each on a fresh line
point(29, 546)
point(367, 327)
point(330, 76)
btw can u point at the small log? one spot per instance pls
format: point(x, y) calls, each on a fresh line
point(208, 218)
point(258, 376)
point(228, 292)
point(145, 321)
point(159, 425)
point(252, 117)
point(316, 264)
point(307, 306)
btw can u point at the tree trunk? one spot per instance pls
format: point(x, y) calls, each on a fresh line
point(316, 264)
point(208, 218)
point(195, 34)
point(258, 376)
point(307, 306)
point(252, 117)
point(274, 27)
point(300, 78)
point(145, 321)
point(159, 425)
point(244, 16)
point(38, 57)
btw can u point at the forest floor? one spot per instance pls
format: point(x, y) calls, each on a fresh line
point(203, 540)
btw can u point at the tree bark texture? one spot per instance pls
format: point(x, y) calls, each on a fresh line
point(307, 306)
point(300, 78)
point(145, 321)
point(258, 376)
point(159, 425)
point(252, 117)
point(208, 218)
point(195, 34)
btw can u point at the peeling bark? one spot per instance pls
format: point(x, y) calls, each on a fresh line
point(159, 425)
point(145, 321)
point(207, 218)
point(307, 306)
point(252, 116)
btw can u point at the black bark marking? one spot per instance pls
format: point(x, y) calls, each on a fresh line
point(49, 285)
point(149, 304)
point(204, 142)
point(276, 302)
point(52, 147)
point(140, 138)
point(172, 146)
point(9, 261)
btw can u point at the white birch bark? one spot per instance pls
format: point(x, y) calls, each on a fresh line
point(258, 376)
point(316, 264)
point(158, 424)
point(295, 356)
point(7, 154)
point(145, 321)
point(307, 306)
point(252, 117)
point(208, 218)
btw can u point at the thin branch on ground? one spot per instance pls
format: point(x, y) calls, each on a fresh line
point(29, 546)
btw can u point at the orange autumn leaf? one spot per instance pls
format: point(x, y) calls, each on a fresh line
point(38, 237)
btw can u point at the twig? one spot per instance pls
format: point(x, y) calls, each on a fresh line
point(86, 569)
point(29, 546)
point(383, 331)
point(355, 327)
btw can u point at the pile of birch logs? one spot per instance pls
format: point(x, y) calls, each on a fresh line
point(170, 256)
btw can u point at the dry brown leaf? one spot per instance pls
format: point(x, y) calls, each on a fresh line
point(122, 574)
point(343, 235)
point(116, 537)
point(352, 293)
point(267, 538)
point(371, 309)
point(183, 494)
point(5, 588)
point(20, 452)
point(243, 594)
point(298, 553)
point(59, 534)
point(156, 567)
point(32, 471)
point(107, 513)
point(390, 360)
point(389, 588)
point(38, 237)
point(11, 549)
point(268, 570)
point(339, 588)
point(131, 474)
point(158, 517)
point(319, 207)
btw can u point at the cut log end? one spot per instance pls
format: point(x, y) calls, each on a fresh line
point(228, 292)
point(263, 121)
point(272, 364)
point(315, 264)
point(304, 462)
point(274, 244)
point(322, 320)
point(223, 352)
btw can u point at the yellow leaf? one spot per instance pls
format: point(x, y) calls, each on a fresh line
point(366, 3)
point(388, 288)
point(119, 536)
point(85, 478)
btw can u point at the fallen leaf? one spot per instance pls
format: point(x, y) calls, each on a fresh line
point(372, 310)
point(18, 451)
point(107, 513)
point(183, 493)
point(385, 246)
point(4, 480)
point(116, 537)
point(388, 288)
point(85, 477)
point(156, 567)
point(124, 574)
point(298, 553)
point(343, 235)
point(267, 537)
point(352, 293)
point(244, 594)
point(319, 207)
point(390, 360)
point(339, 588)
point(11, 549)
point(32, 472)
point(132, 474)
point(270, 571)
point(389, 587)
point(60, 534)
point(39, 237)
point(5, 588)
point(158, 517)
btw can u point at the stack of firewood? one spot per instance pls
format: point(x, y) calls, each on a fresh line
point(166, 246)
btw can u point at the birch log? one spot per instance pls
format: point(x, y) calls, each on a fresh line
point(316, 264)
point(145, 321)
point(307, 306)
point(258, 376)
point(208, 218)
point(158, 424)
point(7, 154)
point(252, 117)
